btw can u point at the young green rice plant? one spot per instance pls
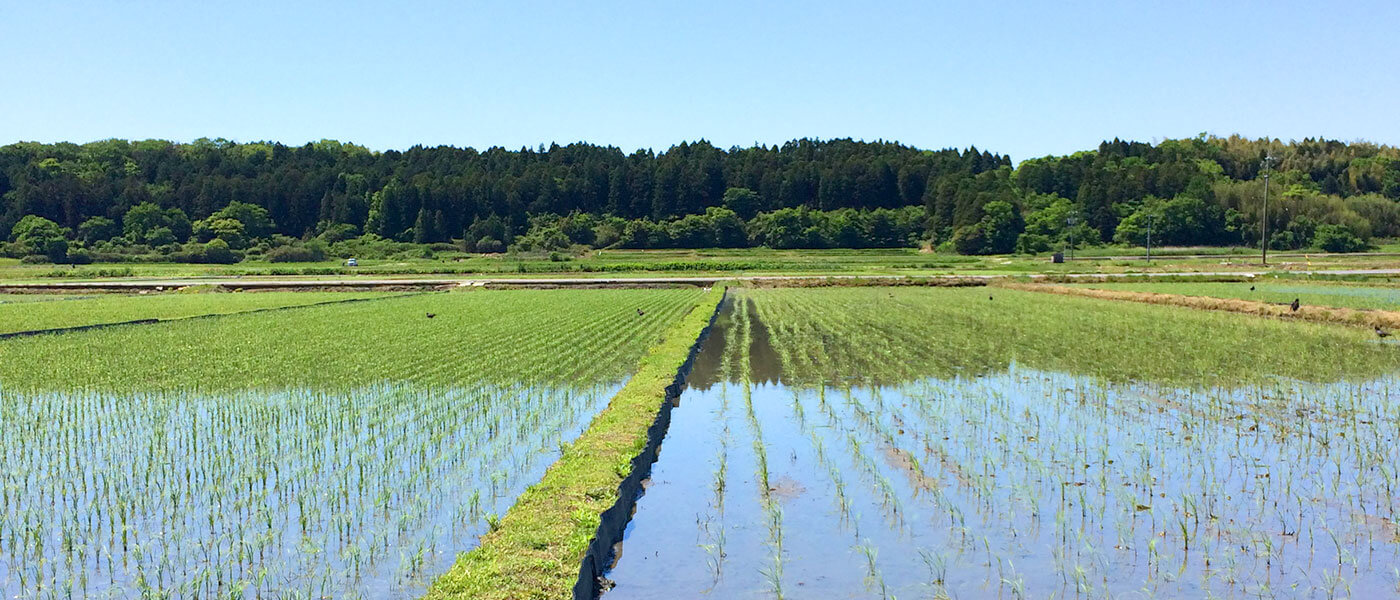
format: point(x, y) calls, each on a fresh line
point(285, 479)
point(102, 309)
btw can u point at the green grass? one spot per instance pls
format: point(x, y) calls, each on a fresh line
point(1280, 292)
point(18, 298)
point(32, 316)
point(898, 334)
point(553, 336)
point(707, 262)
point(537, 548)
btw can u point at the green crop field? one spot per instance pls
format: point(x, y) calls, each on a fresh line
point(843, 441)
point(895, 334)
point(341, 450)
point(943, 443)
point(17, 298)
point(35, 316)
point(1277, 292)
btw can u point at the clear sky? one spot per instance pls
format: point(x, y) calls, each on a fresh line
point(1027, 79)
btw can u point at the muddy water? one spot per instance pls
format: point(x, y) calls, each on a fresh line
point(1014, 484)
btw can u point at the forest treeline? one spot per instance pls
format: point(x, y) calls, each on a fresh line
point(220, 201)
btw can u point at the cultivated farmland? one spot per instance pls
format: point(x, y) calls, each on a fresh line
point(997, 443)
point(1343, 295)
point(31, 316)
point(341, 450)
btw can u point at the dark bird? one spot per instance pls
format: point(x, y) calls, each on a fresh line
point(640, 313)
point(1294, 306)
point(1251, 288)
point(989, 297)
point(431, 315)
point(1381, 333)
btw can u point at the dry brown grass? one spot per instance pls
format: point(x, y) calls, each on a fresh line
point(1321, 314)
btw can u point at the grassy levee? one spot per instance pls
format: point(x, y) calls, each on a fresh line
point(535, 550)
point(1321, 314)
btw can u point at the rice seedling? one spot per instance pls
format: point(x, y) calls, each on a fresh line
point(96, 310)
point(1059, 446)
point(341, 466)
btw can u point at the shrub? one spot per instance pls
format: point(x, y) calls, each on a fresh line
point(490, 245)
point(286, 254)
point(218, 252)
point(1032, 243)
point(79, 257)
point(1337, 238)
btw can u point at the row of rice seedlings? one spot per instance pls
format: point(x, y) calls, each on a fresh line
point(356, 492)
point(714, 524)
point(1193, 506)
point(773, 572)
point(348, 492)
point(95, 310)
point(1089, 502)
point(554, 337)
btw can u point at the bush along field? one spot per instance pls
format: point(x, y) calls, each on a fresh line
point(346, 450)
point(957, 443)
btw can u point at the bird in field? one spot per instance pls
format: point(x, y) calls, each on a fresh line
point(640, 313)
point(431, 315)
point(1294, 306)
point(1381, 333)
point(1251, 288)
point(989, 298)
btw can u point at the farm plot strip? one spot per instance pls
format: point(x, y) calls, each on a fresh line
point(1006, 479)
point(1322, 314)
point(537, 548)
point(870, 335)
point(348, 451)
point(507, 337)
point(1281, 291)
point(32, 318)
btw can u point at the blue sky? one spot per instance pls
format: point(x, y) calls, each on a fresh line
point(1027, 79)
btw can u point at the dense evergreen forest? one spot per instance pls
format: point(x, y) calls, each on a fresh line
point(220, 201)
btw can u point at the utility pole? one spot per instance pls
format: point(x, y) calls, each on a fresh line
point(1149, 237)
point(1264, 223)
point(1071, 221)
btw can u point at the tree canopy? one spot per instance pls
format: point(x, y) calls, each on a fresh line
point(804, 193)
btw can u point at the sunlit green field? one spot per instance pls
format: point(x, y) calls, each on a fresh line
point(17, 298)
point(1377, 297)
point(346, 450)
point(984, 443)
point(895, 333)
point(29, 315)
point(712, 262)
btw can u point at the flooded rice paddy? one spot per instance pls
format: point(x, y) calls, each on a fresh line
point(368, 493)
point(1015, 483)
